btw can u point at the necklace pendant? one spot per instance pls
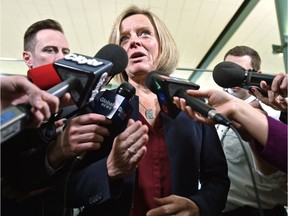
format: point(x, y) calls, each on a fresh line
point(149, 114)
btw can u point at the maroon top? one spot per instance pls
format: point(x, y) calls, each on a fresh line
point(153, 173)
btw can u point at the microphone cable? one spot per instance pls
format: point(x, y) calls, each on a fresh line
point(249, 167)
point(73, 165)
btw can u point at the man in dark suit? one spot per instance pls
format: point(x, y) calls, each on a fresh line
point(26, 174)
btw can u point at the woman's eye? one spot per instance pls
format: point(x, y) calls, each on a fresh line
point(124, 39)
point(144, 33)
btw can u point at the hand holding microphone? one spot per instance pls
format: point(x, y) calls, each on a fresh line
point(18, 97)
point(279, 85)
point(92, 80)
point(83, 133)
point(243, 116)
point(220, 104)
point(229, 74)
point(91, 73)
point(277, 93)
point(201, 107)
point(83, 77)
point(166, 88)
point(271, 90)
point(18, 90)
point(112, 110)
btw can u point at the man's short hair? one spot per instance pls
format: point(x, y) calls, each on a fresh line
point(30, 34)
point(245, 50)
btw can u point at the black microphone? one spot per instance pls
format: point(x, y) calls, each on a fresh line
point(93, 73)
point(45, 76)
point(83, 77)
point(229, 74)
point(116, 107)
point(199, 106)
point(165, 86)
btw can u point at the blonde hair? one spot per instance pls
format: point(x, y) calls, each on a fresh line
point(168, 52)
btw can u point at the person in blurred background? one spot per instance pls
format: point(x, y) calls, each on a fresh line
point(271, 182)
point(26, 173)
point(267, 136)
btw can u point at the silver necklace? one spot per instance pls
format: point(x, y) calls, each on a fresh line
point(149, 114)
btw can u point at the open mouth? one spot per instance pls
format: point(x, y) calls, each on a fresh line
point(136, 55)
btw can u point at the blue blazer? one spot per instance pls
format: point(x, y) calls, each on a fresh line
point(195, 154)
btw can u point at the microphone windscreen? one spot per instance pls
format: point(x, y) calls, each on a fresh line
point(45, 76)
point(228, 74)
point(126, 90)
point(115, 54)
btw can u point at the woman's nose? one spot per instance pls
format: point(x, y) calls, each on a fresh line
point(134, 39)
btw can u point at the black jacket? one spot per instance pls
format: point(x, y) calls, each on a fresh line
point(195, 154)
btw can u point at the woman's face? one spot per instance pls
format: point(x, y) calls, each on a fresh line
point(139, 39)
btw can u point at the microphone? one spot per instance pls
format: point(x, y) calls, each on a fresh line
point(44, 76)
point(165, 86)
point(83, 77)
point(116, 107)
point(92, 72)
point(202, 108)
point(14, 118)
point(229, 74)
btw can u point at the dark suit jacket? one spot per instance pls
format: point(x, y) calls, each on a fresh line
point(23, 168)
point(195, 155)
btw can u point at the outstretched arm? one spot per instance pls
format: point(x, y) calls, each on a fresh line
point(18, 90)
